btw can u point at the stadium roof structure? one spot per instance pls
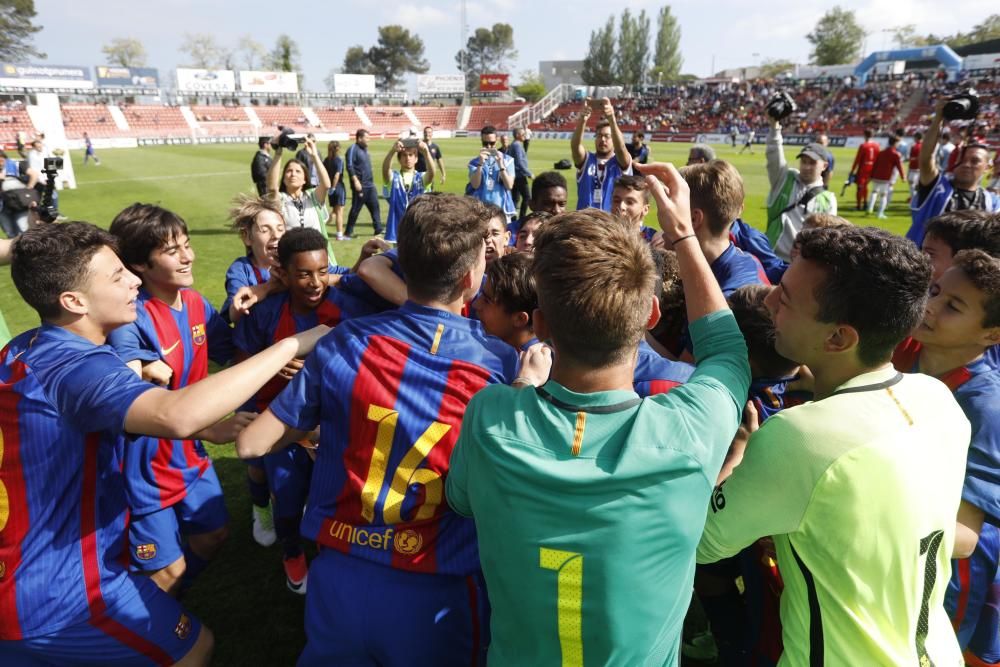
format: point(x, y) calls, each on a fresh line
point(943, 53)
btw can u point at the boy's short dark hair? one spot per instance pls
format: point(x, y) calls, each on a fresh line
point(983, 271)
point(547, 180)
point(594, 277)
point(300, 239)
point(717, 189)
point(875, 282)
point(963, 230)
point(262, 142)
point(670, 292)
point(634, 183)
point(142, 228)
point(513, 283)
point(754, 320)
point(440, 239)
point(494, 211)
point(51, 259)
point(489, 129)
point(360, 133)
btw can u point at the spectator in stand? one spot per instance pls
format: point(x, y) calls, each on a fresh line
point(888, 162)
point(260, 164)
point(306, 158)
point(491, 173)
point(700, 154)
point(597, 172)
point(864, 162)
point(939, 192)
point(637, 148)
point(913, 175)
point(364, 193)
point(435, 152)
point(522, 173)
point(795, 193)
point(334, 165)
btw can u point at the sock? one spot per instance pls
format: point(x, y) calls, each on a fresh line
point(287, 530)
point(259, 495)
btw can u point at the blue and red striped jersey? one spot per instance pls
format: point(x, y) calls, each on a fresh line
point(354, 285)
point(388, 392)
point(735, 268)
point(273, 319)
point(655, 374)
point(158, 471)
point(242, 273)
point(63, 402)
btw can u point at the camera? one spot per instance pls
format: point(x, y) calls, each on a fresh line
point(286, 140)
point(411, 142)
point(47, 209)
point(781, 106)
point(52, 163)
point(964, 106)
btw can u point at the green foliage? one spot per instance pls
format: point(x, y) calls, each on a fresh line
point(487, 51)
point(396, 53)
point(202, 51)
point(770, 69)
point(632, 59)
point(17, 31)
point(667, 60)
point(285, 55)
point(125, 52)
point(837, 38)
point(356, 61)
point(531, 87)
point(599, 64)
point(254, 55)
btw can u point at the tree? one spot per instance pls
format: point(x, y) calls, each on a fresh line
point(487, 50)
point(396, 53)
point(987, 30)
point(253, 52)
point(17, 31)
point(202, 51)
point(285, 55)
point(356, 61)
point(599, 64)
point(667, 60)
point(837, 38)
point(770, 69)
point(531, 88)
point(125, 52)
point(632, 59)
point(905, 36)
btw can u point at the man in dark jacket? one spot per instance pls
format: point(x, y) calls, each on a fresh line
point(260, 164)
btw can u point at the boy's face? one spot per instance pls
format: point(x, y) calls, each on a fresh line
point(408, 159)
point(110, 291)
point(629, 205)
point(526, 236)
point(940, 254)
point(954, 315)
point(305, 277)
point(170, 265)
point(263, 236)
point(550, 200)
point(798, 334)
point(497, 321)
point(497, 238)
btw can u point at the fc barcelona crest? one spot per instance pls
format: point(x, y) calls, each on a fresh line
point(183, 627)
point(145, 551)
point(198, 334)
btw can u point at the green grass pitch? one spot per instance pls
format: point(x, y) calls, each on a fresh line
point(242, 596)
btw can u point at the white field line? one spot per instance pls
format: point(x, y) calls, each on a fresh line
point(173, 177)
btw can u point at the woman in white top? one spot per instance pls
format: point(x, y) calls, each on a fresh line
point(301, 205)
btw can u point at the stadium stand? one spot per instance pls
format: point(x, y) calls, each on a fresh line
point(13, 119)
point(445, 118)
point(94, 119)
point(272, 117)
point(155, 121)
point(492, 114)
point(338, 119)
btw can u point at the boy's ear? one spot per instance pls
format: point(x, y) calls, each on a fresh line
point(280, 273)
point(520, 319)
point(654, 314)
point(993, 335)
point(697, 218)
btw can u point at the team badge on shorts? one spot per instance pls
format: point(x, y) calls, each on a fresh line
point(198, 334)
point(183, 627)
point(145, 551)
point(408, 542)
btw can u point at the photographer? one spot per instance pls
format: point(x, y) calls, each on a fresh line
point(597, 172)
point(939, 192)
point(261, 164)
point(301, 205)
point(795, 193)
point(17, 187)
point(491, 174)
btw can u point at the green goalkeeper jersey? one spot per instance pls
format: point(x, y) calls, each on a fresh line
point(860, 491)
point(588, 507)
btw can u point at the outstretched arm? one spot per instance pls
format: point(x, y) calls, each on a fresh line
point(274, 173)
point(576, 142)
point(928, 165)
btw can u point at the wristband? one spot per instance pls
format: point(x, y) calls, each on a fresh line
point(676, 241)
point(521, 380)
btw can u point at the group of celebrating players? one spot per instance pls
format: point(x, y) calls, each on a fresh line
point(525, 441)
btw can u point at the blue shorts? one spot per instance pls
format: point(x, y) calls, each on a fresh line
point(288, 474)
point(973, 597)
point(361, 613)
point(141, 626)
point(155, 539)
point(338, 196)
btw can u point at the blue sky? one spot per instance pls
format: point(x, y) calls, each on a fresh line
point(723, 31)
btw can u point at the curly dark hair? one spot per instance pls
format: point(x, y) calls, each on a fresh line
point(983, 271)
point(757, 327)
point(971, 228)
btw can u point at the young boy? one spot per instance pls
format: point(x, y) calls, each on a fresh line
point(590, 560)
point(525, 241)
point(962, 320)
point(66, 596)
point(960, 230)
point(630, 202)
point(173, 490)
point(389, 393)
point(507, 301)
point(302, 265)
point(403, 186)
point(548, 195)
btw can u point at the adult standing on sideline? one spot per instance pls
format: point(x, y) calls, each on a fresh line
point(522, 173)
point(491, 173)
point(435, 152)
point(637, 148)
point(301, 205)
point(260, 164)
point(597, 172)
point(334, 165)
point(527, 139)
point(864, 162)
point(363, 190)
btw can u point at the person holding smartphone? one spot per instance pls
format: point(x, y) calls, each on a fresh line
point(491, 174)
point(597, 172)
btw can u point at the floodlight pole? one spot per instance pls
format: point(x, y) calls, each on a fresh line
point(464, 30)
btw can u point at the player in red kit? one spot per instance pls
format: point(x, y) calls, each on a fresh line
point(888, 161)
point(864, 162)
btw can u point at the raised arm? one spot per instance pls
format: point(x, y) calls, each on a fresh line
point(429, 161)
point(377, 273)
point(506, 170)
point(476, 173)
point(323, 188)
point(775, 153)
point(387, 162)
point(928, 165)
point(576, 148)
point(274, 173)
point(617, 138)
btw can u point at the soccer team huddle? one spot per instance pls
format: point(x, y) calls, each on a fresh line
point(547, 438)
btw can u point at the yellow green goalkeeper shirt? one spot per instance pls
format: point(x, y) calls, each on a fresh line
point(860, 491)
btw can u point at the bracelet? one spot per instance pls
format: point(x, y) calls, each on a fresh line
point(521, 380)
point(676, 241)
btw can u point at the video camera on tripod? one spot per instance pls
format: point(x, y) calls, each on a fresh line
point(47, 210)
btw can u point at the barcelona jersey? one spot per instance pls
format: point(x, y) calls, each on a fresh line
point(158, 471)
point(63, 402)
point(388, 392)
point(655, 374)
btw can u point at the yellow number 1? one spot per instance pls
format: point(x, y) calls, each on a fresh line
point(569, 601)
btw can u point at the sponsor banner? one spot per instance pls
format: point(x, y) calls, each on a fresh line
point(127, 77)
point(269, 82)
point(45, 76)
point(440, 84)
point(354, 84)
point(981, 61)
point(205, 80)
point(494, 83)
